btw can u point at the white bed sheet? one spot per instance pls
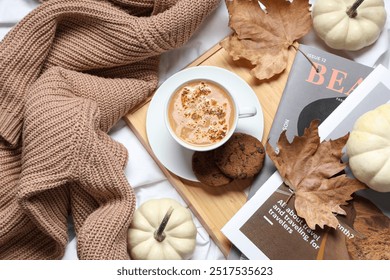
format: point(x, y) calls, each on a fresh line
point(141, 171)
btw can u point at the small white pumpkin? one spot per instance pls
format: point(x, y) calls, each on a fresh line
point(368, 148)
point(348, 29)
point(162, 229)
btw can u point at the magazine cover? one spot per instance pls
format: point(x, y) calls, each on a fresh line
point(267, 227)
point(309, 94)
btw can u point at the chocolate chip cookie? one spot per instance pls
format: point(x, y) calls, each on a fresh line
point(206, 171)
point(241, 157)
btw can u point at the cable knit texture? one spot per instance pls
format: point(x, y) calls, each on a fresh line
point(68, 72)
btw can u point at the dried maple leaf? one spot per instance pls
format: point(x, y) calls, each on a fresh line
point(264, 38)
point(374, 228)
point(308, 167)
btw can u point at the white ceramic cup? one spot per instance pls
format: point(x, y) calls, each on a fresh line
point(244, 112)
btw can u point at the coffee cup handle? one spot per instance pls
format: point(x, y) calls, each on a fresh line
point(247, 112)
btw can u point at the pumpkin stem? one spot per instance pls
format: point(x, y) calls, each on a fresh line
point(351, 12)
point(159, 234)
point(311, 62)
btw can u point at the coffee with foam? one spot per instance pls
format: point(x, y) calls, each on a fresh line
point(201, 113)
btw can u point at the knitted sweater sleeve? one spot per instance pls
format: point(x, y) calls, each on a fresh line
point(86, 35)
point(64, 149)
point(68, 72)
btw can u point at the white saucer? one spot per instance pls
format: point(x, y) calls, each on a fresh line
point(176, 158)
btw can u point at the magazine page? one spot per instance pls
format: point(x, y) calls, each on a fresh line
point(265, 228)
point(311, 94)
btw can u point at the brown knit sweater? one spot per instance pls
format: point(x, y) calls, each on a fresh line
point(68, 72)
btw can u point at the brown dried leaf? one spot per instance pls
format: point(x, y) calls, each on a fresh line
point(308, 167)
point(374, 228)
point(264, 38)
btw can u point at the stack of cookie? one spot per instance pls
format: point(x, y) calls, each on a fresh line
point(239, 158)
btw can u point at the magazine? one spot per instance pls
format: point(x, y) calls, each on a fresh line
point(266, 228)
point(309, 95)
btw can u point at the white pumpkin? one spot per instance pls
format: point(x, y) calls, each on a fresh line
point(344, 31)
point(368, 148)
point(162, 229)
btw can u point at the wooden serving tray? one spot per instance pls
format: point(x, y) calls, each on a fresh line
point(215, 206)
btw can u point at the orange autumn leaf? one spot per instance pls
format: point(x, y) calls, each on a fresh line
point(262, 37)
point(310, 168)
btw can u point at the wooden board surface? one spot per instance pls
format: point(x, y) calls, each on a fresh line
point(215, 206)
